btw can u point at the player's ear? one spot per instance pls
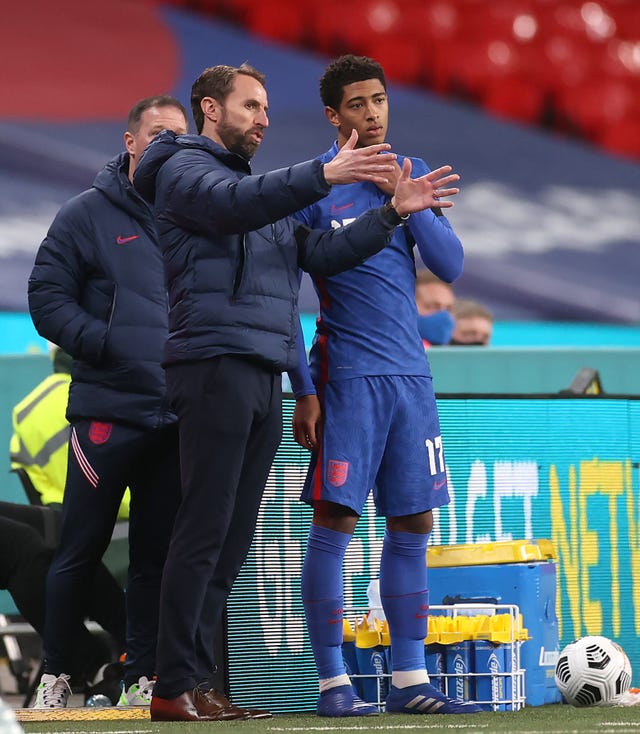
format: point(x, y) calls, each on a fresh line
point(332, 116)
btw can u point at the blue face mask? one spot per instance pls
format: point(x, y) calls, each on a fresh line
point(436, 328)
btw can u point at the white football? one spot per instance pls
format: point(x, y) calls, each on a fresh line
point(593, 671)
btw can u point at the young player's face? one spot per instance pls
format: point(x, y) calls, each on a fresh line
point(365, 108)
point(243, 116)
point(153, 121)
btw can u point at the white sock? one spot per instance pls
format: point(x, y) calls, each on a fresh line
point(406, 678)
point(338, 680)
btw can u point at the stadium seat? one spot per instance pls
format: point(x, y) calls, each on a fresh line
point(278, 20)
point(597, 104)
point(402, 57)
point(623, 137)
point(514, 97)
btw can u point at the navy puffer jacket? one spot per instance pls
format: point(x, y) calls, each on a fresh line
point(231, 251)
point(97, 290)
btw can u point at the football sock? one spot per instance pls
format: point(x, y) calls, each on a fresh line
point(322, 597)
point(405, 600)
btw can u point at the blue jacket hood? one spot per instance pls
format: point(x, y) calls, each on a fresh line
point(165, 145)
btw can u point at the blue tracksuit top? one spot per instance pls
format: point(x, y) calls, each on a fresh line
point(97, 290)
point(368, 317)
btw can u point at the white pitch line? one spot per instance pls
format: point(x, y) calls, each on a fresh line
point(620, 723)
point(388, 727)
point(108, 731)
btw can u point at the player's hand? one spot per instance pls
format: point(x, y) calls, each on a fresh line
point(389, 187)
point(360, 164)
point(307, 422)
point(414, 194)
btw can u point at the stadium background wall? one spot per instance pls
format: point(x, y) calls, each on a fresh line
point(519, 467)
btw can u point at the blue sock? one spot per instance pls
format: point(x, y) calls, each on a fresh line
point(323, 597)
point(405, 598)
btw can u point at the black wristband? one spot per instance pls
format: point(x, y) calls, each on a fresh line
point(390, 209)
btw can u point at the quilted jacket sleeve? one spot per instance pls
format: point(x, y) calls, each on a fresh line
point(56, 289)
point(202, 194)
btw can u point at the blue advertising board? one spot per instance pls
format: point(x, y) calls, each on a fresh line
point(519, 468)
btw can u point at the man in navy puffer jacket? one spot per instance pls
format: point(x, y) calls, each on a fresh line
point(231, 258)
point(97, 290)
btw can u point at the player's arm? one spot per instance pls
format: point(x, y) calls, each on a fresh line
point(307, 414)
point(438, 245)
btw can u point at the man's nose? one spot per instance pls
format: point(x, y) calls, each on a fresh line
point(263, 120)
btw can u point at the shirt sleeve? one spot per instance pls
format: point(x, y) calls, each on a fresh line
point(438, 245)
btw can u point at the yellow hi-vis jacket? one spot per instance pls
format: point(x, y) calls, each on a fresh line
point(39, 444)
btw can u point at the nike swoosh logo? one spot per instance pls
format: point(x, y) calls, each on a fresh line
point(123, 240)
point(335, 209)
point(439, 485)
point(334, 621)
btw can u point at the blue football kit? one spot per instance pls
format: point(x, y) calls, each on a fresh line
point(380, 422)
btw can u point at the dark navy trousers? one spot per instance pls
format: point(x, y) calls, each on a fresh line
point(230, 421)
point(105, 458)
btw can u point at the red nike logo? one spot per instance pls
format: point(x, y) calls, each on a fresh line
point(335, 209)
point(123, 240)
point(439, 485)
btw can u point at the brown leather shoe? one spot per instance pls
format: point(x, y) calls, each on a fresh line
point(193, 706)
point(214, 705)
point(180, 708)
point(217, 699)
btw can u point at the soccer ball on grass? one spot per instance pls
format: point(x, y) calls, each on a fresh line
point(593, 671)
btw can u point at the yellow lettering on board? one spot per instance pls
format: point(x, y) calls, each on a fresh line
point(607, 478)
point(589, 549)
point(566, 542)
point(634, 545)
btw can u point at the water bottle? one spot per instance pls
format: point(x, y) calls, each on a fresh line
point(97, 700)
point(8, 722)
point(375, 602)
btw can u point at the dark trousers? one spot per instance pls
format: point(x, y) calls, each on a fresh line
point(103, 460)
point(25, 557)
point(230, 419)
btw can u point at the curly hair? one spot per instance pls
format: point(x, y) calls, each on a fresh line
point(346, 70)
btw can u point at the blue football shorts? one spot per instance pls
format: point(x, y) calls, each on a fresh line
point(380, 434)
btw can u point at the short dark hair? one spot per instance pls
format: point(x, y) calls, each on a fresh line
point(217, 82)
point(465, 308)
point(346, 70)
point(159, 100)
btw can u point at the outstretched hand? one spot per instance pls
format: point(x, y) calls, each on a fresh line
point(360, 164)
point(414, 194)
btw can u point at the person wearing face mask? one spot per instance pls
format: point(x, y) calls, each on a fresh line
point(434, 301)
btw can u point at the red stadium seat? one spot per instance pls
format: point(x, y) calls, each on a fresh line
point(598, 104)
point(278, 20)
point(514, 97)
point(623, 137)
point(402, 57)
